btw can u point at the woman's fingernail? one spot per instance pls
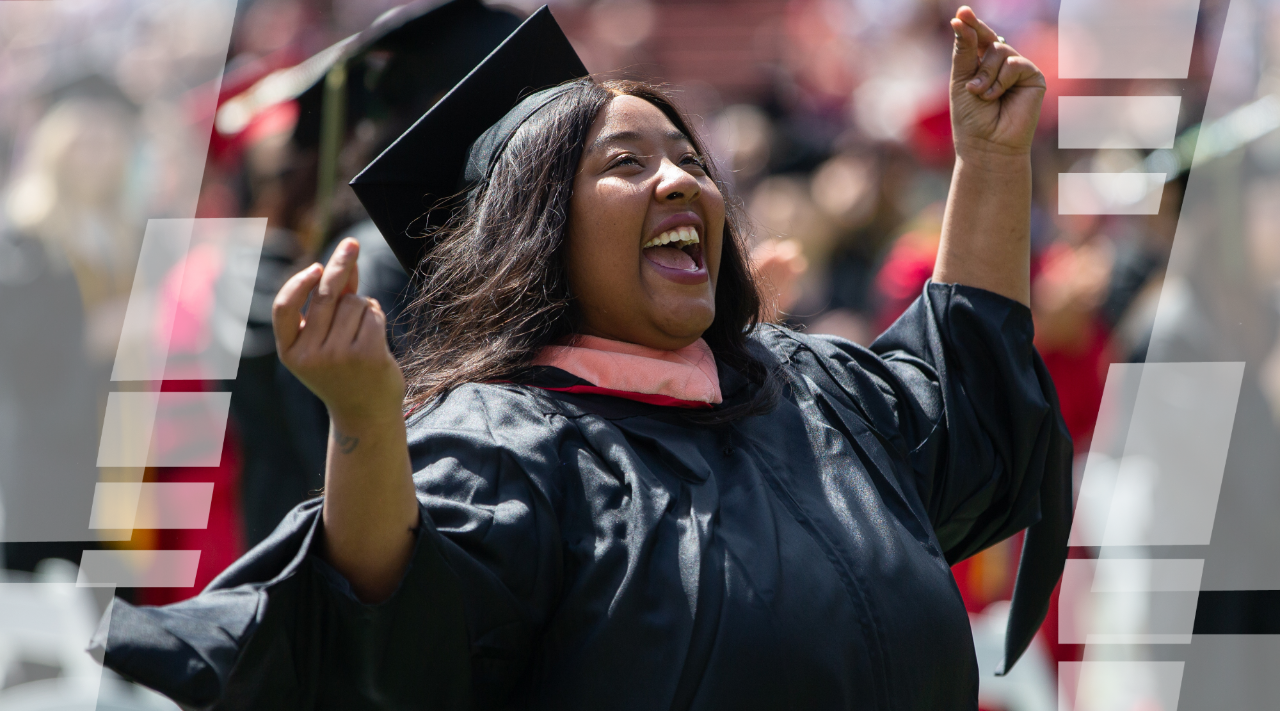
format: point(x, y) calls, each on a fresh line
point(975, 82)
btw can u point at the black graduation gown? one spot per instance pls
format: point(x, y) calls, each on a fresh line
point(588, 552)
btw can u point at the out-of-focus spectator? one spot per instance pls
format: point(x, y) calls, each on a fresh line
point(1071, 336)
point(779, 264)
point(907, 266)
point(71, 194)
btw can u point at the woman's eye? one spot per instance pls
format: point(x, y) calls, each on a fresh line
point(624, 160)
point(694, 161)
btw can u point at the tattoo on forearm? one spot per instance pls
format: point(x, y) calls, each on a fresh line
point(346, 443)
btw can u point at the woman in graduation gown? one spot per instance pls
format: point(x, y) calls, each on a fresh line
point(613, 489)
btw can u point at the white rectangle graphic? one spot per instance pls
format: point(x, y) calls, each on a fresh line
point(1109, 193)
point(190, 429)
point(126, 429)
point(50, 621)
point(1128, 601)
point(1134, 39)
point(190, 300)
point(138, 569)
point(1146, 574)
point(1109, 686)
point(124, 505)
point(171, 429)
point(1174, 423)
point(1117, 121)
point(148, 318)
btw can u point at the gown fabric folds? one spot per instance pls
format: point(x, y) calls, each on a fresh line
point(590, 552)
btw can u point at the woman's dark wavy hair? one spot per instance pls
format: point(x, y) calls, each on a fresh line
point(494, 290)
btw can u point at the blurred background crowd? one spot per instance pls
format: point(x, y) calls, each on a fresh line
point(828, 118)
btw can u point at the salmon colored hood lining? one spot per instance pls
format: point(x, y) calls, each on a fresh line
point(685, 374)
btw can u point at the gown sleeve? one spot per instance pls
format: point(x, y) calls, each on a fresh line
point(957, 386)
point(281, 629)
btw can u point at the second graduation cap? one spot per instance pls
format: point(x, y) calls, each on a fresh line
point(426, 165)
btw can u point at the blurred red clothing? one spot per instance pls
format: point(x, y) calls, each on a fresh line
point(1078, 373)
point(221, 542)
point(187, 296)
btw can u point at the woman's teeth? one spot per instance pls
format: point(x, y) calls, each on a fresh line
point(679, 238)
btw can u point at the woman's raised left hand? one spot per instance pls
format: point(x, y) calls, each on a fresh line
point(995, 92)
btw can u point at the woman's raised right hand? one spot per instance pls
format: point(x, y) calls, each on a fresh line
point(339, 349)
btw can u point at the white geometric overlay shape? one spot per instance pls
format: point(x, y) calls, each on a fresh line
point(123, 505)
point(138, 569)
point(1132, 39)
point(1117, 121)
point(1175, 452)
point(1097, 484)
point(144, 340)
point(1128, 601)
point(189, 304)
point(115, 505)
point(126, 429)
point(1163, 488)
point(171, 429)
point(1110, 193)
point(189, 430)
point(1119, 685)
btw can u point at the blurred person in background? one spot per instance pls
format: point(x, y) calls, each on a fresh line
point(67, 255)
point(71, 195)
point(100, 130)
point(394, 71)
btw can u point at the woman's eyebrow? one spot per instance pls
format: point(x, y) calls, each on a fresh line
point(622, 136)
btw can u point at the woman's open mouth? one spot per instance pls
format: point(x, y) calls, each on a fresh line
point(677, 255)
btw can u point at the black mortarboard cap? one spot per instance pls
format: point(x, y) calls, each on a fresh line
point(456, 140)
point(406, 60)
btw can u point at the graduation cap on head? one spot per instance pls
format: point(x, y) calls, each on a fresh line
point(458, 138)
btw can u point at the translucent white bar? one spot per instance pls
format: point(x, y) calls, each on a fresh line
point(234, 245)
point(1174, 421)
point(1138, 39)
point(126, 429)
point(145, 338)
point(1175, 453)
point(122, 505)
point(1109, 193)
point(1106, 448)
point(45, 618)
point(114, 105)
point(115, 505)
point(1211, 297)
point(1147, 574)
point(1117, 121)
point(1119, 686)
point(172, 429)
point(195, 275)
point(1128, 601)
point(138, 569)
point(189, 430)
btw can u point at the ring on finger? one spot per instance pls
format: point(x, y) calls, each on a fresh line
point(1000, 39)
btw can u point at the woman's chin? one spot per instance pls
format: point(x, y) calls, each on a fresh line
point(683, 324)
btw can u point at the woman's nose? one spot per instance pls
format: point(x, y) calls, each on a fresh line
point(675, 184)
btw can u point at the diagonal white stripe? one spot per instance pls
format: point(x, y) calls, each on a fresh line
point(138, 569)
